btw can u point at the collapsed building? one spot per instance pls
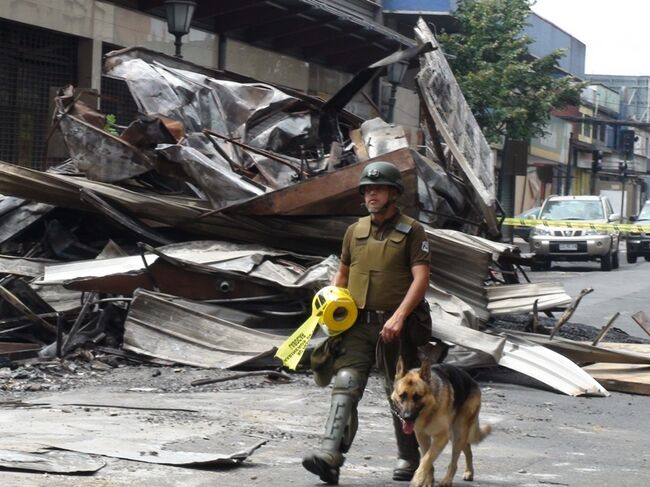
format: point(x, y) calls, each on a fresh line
point(198, 233)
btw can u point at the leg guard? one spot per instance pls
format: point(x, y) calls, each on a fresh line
point(339, 429)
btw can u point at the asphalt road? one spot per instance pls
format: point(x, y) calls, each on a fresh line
point(626, 289)
point(540, 438)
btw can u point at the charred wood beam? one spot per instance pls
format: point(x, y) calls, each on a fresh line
point(14, 301)
point(568, 313)
point(269, 374)
point(85, 309)
point(8, 324)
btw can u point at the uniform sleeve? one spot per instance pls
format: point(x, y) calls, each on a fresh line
point(418, 246)
point(345, 249)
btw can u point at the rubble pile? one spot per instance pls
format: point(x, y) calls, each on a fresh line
point(223, 204)
point(199, 232)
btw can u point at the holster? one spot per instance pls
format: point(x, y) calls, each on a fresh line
point(418, 325)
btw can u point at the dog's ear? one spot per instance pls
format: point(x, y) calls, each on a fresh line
point(399, 370)
point(425, 370)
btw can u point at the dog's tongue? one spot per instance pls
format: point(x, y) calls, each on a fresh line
point(407, 427)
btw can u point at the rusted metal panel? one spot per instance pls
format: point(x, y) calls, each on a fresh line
point(331, 194)
point(100, 155)
point(455, 123)
point(200, 271)
point(171, 331)
point(172, 279)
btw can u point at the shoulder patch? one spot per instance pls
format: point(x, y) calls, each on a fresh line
point(403, 228)
point(425, 246)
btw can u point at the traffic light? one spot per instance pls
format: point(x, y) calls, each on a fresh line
point(627, 142)
point(596, 160)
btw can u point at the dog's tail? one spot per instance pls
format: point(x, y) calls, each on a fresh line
point(478, 433)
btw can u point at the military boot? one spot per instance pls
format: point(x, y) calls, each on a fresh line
point(327, 460)
point(408, 453)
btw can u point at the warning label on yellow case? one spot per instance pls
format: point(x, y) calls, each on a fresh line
point(619, 227)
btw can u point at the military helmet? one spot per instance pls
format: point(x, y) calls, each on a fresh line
point(380, 172)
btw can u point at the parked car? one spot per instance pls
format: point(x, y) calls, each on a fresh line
point(554, 242)
point(524, 232)
point(637, 244)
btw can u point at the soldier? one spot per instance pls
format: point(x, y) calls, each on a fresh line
point(385, 265)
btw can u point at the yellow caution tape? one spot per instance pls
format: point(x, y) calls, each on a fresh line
point(333, 308)
point(292, 350)
point(619, 227)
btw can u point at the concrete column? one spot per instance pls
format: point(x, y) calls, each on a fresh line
point(89, 64)
point(89, 69)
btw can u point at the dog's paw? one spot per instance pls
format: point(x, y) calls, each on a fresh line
point(422, 478)
point(445, 483)
point(468, 475)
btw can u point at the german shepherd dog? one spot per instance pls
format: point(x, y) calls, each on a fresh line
point(439, 403)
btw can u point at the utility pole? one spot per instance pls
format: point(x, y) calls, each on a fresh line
point(596, 165)
point(623, 169)
point(628, 137)
point(567, 182)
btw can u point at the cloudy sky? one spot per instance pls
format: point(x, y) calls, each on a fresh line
point(617, 33)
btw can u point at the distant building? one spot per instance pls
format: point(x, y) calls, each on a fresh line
point(633, 97)
point(635, 94)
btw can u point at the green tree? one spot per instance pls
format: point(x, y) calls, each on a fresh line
point(510, 92)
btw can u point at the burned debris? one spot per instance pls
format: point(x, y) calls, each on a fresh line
point(198, 233)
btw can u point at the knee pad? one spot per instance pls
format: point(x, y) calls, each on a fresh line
point(348, 381)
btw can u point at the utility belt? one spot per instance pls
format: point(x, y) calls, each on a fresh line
point(374, 317)
point(418, 323)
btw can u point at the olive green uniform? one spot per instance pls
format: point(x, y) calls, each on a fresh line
point(380, 260)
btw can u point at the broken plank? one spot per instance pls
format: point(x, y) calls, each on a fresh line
point(633, 379)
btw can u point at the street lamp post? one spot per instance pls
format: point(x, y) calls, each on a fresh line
point(394, 74)
point(179, 18)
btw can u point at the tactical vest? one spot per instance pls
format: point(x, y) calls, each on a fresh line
point(380, 271)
